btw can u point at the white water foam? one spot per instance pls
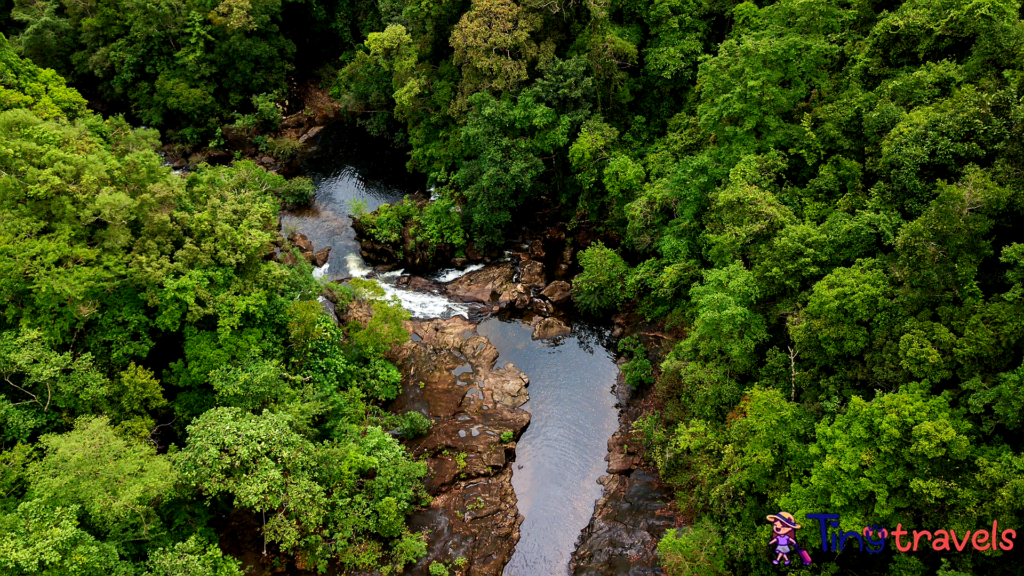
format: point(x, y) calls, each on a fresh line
point(420, 305)
point(319, 273)
point(356, 266)
point(448, 274)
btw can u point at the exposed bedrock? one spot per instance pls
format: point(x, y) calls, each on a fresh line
point(449, 375)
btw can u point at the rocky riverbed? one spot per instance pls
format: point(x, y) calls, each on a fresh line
point(512, 505)
point(450, 376)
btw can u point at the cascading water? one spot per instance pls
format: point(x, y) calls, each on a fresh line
point(561, 454)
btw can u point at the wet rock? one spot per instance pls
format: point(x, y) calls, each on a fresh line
point(300, 241)
point(537, 249)
point(179, 164)
point(517, 294)
point(449, 375)
point(542, 307)
point(473, 254)
point(484, 535)
point(483, 285)
point(558, 292)
point(629, 520)
point(320, 256)
point(531, 273)
point(548, 328)
point(423, 285)
point(624, 449)
point(459, 262)
point(310, 134)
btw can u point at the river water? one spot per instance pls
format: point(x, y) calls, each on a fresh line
point(561, 454)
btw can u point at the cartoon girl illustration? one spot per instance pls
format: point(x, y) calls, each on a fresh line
point(784, 528)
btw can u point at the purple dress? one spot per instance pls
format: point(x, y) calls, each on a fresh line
point(782, 544)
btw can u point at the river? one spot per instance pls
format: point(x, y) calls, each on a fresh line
point(561, 455)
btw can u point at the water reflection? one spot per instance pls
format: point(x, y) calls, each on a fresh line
point(350, 167)
point(561, 454)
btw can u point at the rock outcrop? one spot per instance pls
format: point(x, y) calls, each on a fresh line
point(628, 522)
point(548, 328)
point(449, 375)
point(487, 285)
point(557, 292)
point(635, 508)
point(531, 274)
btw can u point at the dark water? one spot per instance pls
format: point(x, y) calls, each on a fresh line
point(561, 454)
point(350, 166)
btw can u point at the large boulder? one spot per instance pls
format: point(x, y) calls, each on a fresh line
point(558, 292)
point(320, 256)
point(629, 520)
point(548, 328)
point(531, 273)
point(484, 285)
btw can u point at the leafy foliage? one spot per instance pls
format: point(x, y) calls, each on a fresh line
point(158, 372)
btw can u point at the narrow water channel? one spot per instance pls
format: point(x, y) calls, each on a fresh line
point(561, 455)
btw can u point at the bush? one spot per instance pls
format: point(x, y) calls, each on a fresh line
point(506, 436)
point(695, 552)
point(267, 114)
point(438, 569)
point(298, 191)
point(442, 224)
point(638, 370)
point(601, 285)
point(283, 148)
point(414, 424)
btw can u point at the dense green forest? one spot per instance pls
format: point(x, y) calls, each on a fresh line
point(163, 377)
point(824, 197)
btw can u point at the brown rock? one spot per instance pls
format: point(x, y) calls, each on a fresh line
point(483, 285)
point(542, 307)
point(549, 328)
point(517, 294)
point(474, 512)
point(294, 121)
point(558, 292)
point(423, 285)
point(310, 134)
point(300, 241)
point(531, 273)
point(320, 256)
point(179, 164)
point(567, 256)
point(554, 234)
point(537, 249)
point(288, 258)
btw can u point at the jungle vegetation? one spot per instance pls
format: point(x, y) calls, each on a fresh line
point(165, 384)
point(824, 196)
